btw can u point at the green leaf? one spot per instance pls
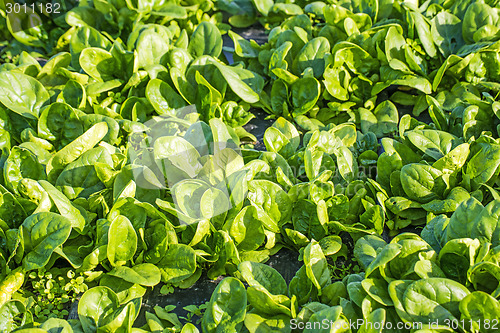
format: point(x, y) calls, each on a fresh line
point(22, 94)
point(227, 307)
point(94, 306)
point(178, 263)
point(433, 143)
point(395, 46)
point(122, 241)
point(484, 164)
point(263, 6)
point(436, 299)
point(21, 164)
point(382, 121)
point(99, 64)
point(366, 249)
point(479, 307)
point(144, 274)
point(477, 16)
point(301, 286)
point(424, 33)
point(388, 252)
point(313, 55)
point(57, 325)
point(64, 206)
point(77, 147)
point(125, 291)
point(261, 275)
point(305, 94)
point(163, 97)
point(10, 313)
point(82, 177)
point(347, 165)
point(377, 289)
point(247, 229)
point(238, 86)
point(243, 47)
point(272, 200)
point(446, 31)
point(255, 322)
point(176, 158)
point(457, 256)
point(355, 58)
point(151, 46)
point(316, 266)
point(43, 233)
point(205, 40)
point(60, 123)
point(331, 315)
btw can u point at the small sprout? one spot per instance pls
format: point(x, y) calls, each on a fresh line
point(49, 284)
point(166, 289)
point(169, 308)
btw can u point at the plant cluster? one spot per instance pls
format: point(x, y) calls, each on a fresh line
point(53, 291)
point(124, 166)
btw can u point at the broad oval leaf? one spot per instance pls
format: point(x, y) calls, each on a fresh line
point(22, 94)
point(178, 263)
point(43, 232)
point(205, 40)
point(122, 241)
point(227, 307)
point(143, 274)
point(94, 306)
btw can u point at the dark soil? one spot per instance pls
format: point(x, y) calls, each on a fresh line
point(257, 33)
point(257, 126)
point(285, 262)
